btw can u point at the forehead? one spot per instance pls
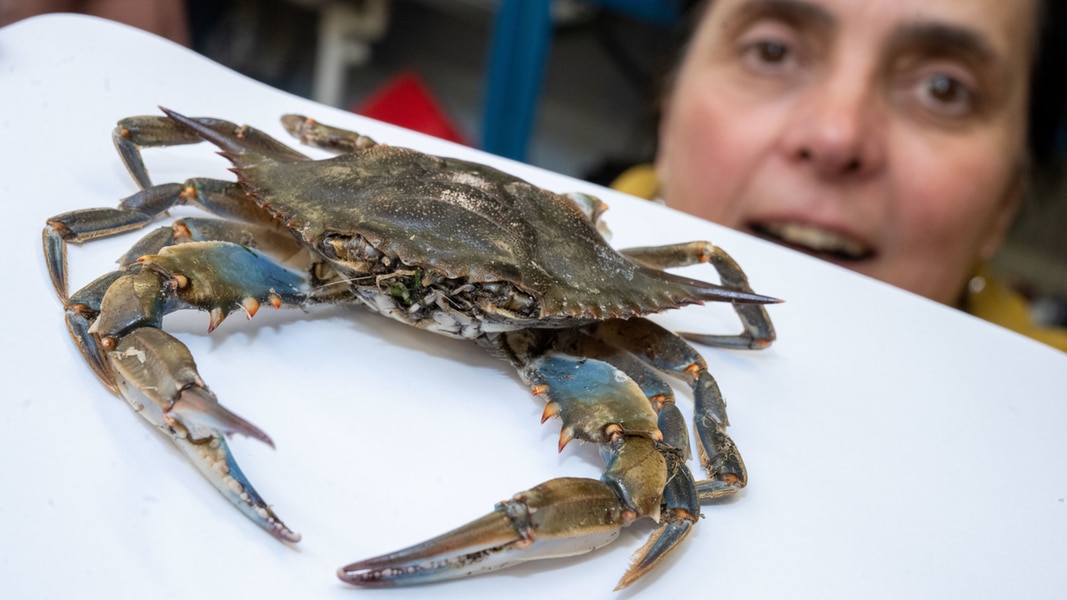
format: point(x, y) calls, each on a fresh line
point(1003, 29)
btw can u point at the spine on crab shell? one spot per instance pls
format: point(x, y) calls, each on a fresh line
point(709, 292)
point(243, 145)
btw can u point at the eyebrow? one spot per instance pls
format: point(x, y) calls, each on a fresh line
point(934, 37)
point(942, 38)
point(795, 12)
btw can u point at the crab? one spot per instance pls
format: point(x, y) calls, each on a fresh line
point(446, 245)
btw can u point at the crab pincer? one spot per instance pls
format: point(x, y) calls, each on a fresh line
point(157, 376)
point(598, 403)
point(560, 517)
point(116, 321)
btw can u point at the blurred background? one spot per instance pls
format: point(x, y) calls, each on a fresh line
point(568, 85)
point(588, 71)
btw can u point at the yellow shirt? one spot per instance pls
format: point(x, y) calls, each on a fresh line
point(987, 298)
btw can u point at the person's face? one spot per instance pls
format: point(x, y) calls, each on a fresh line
point(887, 136)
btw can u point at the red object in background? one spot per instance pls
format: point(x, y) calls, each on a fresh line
point(406, 101)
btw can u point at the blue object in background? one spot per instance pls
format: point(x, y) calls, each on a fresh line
point(519, 49)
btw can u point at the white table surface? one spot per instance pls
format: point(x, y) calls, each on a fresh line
point(896, 448)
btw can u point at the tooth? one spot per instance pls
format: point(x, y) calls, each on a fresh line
point(817, 238)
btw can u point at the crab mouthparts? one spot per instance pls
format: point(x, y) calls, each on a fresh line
point(814, 240)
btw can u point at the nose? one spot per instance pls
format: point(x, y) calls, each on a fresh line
point(835, 129)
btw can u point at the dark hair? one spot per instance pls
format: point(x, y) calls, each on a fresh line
point(1048, 90)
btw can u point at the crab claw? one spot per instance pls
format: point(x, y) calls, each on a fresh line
point(561, 517)
point(156, 374)
point(681, 509)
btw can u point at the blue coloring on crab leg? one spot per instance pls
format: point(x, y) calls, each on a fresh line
point(82, 307)
point(216, 462)
point(221, 277)
point(86, 224)
point(157, 376)
point(718, 453)
point(590, 395)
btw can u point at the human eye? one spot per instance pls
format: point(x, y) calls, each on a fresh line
point(768, 54)
point(945, 95)
point(943, 91)
point(769, 49)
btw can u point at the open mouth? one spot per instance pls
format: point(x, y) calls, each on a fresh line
point(817, 241)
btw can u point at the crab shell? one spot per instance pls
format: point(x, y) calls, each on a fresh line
point(466, 221)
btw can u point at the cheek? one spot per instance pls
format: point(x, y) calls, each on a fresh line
point(943, 212)
point(709, 149)
point(951, 203)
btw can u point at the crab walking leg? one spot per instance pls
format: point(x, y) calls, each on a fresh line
point(136, 211)
point(319, 135)
point(134, 133)
point(199, 229)
point(78, 226)
point(668, 352)
point(759, 331)
point(222, 198)
point(268, 239)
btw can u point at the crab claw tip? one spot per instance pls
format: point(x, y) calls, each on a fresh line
point(655, 549)
point(472, 548)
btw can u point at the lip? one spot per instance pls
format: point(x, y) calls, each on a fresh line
point(821, 241)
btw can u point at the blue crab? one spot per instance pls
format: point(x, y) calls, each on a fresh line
point(451, 246)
